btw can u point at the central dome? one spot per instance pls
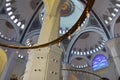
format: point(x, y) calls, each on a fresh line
point(67, 8)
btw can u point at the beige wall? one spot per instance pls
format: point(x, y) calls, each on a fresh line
point(3, 60)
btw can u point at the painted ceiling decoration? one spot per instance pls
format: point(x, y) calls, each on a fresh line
point(88, 49)
point(75, 25)
point(71, 10)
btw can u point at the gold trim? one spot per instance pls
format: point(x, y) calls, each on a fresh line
point(77, 70)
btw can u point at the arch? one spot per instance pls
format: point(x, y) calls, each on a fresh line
point(116, 32)
point(87, 29)
point(6, 26)
point(30, 35)
point(3, 60)
point(3, 17)
point(83, 57)
point(79, 61)
point(112, 25)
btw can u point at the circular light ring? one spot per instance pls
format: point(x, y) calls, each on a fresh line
point(85, 53)
point(5, 37)
point(11, 7)
point(80, 67)
point(81, 71)
point(79, 61)
point(80, 21)
point(12, 16)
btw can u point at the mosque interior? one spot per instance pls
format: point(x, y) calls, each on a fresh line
point(93, 48)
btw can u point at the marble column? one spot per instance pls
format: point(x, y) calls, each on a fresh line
point(114, 48)
point(8, 68)
point(45, 63)
point(65, 74)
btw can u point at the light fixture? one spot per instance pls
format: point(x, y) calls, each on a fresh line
point(88, 52)
point(78, 53)
point(88, 14)
point(9, 39)
point(8, 0)
point(1, 35)
point(82, 25)
point(19, 23)
point(106, 22)
point(116, 10)
point(72, 65)
point(99, 48)
point(10, 13)
point(59, 44)
point(69, 37)
point(19, 55)
point(118, 5)
point(12, 17)
point(16, 20)
point(63, 31)
point(91, 51)
point(8, 4)
point(72, 51)
point(103, 43)
point(8, 8)
point(84, 53)
point(22, 26)
point(94, 50)
point(81, 53)
point(110, 18)
point(78, 28)
point(113, 14)
point(60, 31)
point(77, 66)
point(75, 52)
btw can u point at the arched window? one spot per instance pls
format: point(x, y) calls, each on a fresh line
point(99, 62)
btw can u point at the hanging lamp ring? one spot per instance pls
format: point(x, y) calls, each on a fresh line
point(81, 71)
point(73, 29)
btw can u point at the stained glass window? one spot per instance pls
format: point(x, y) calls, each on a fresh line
point(99, 62)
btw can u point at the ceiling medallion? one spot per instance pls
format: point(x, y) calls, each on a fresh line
point(67, 8)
